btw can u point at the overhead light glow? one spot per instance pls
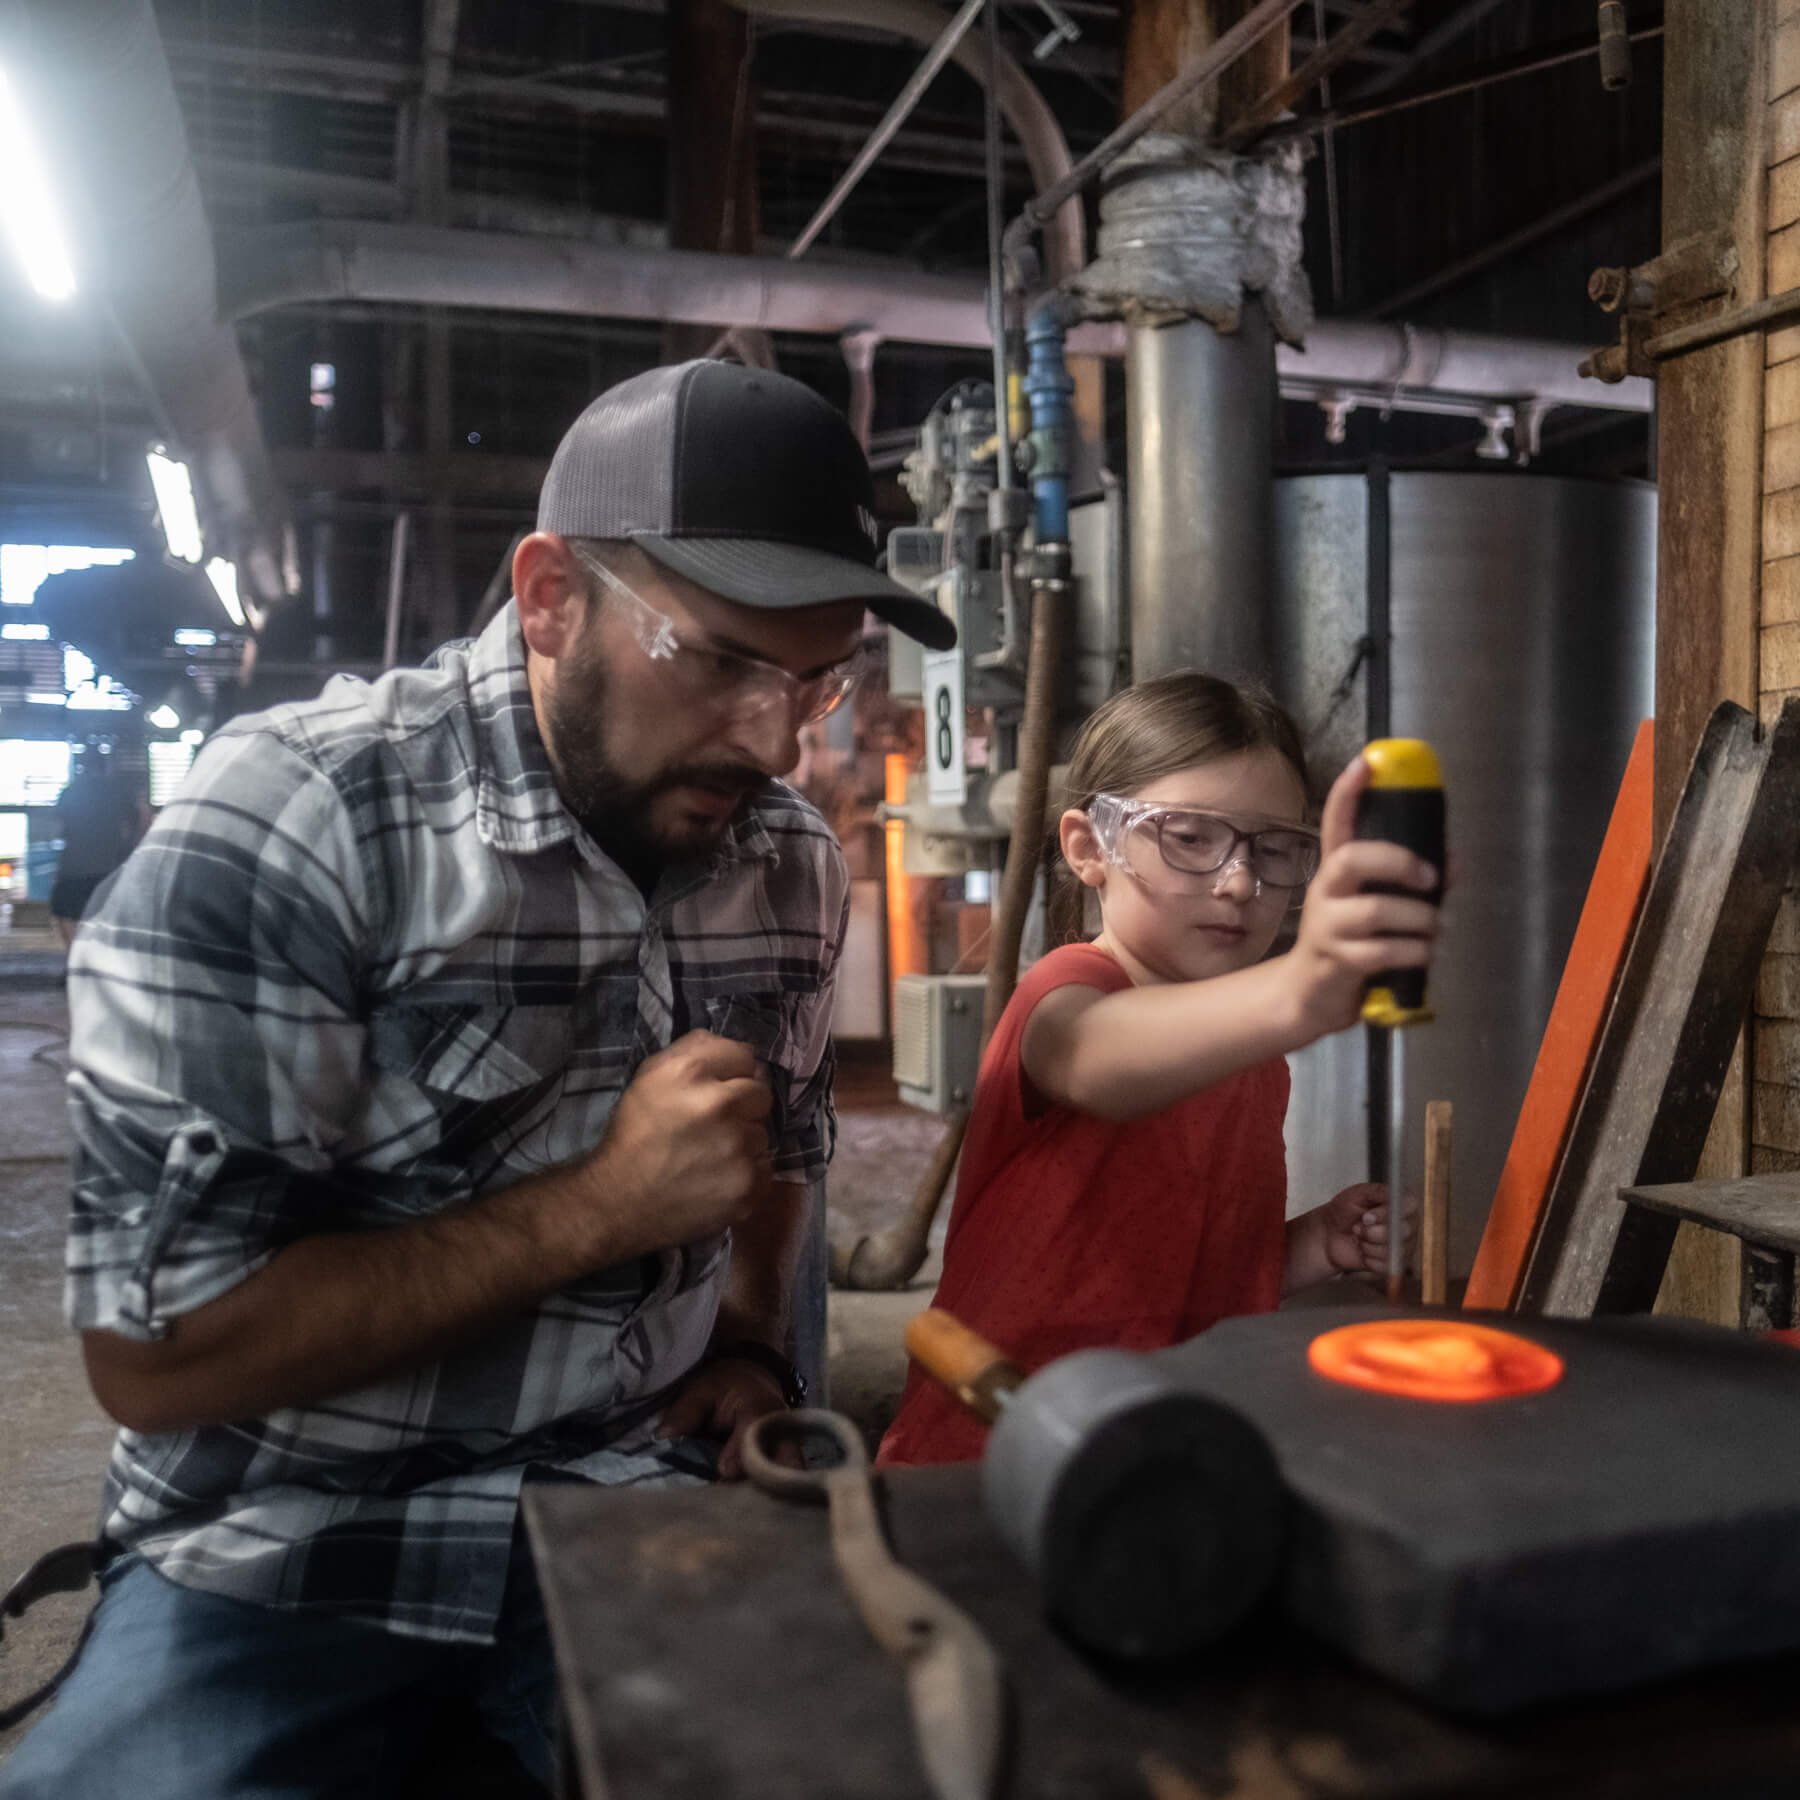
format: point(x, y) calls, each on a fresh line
point(175, 502)
point(24, 567)
point(27, 208)
point(190, 736)
point(165, 717)
point(223, 576)
point(26, 633)
point(192, 638)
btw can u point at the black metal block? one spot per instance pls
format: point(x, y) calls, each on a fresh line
point(1640, 1518)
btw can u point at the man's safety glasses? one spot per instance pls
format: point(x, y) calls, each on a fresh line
point(721, 679)
point(1202, 843)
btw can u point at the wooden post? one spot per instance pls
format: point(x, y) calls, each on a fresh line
point(711, 140)
point(1709, 480)
point(1161, 35)
point(1434, 1220)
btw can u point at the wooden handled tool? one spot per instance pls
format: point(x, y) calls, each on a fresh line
point(980, 1376)
point(1153, 1520)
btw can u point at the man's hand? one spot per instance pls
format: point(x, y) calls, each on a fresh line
point(1346, 934)
point(723, 1400)
point(686, 1154)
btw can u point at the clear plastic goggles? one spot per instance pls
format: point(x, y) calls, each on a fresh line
point(721, 679)
point(1203, 843)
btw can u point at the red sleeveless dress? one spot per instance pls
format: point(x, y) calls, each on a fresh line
point(1071, 1232)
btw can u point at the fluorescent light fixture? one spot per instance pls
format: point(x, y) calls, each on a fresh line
point(190, 736)
point(30, 634)
point(27, 208)
point(165, 717)
point(223, 576)
point(175, 502)
point(192, 638)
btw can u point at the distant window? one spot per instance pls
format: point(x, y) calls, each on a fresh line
point(33, 771)
point(169, 764)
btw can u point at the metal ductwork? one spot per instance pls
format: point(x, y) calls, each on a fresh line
point(423, 265)
point(1033, 123)
point(147, 247)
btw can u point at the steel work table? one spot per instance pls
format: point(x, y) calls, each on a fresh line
point(707, 1651)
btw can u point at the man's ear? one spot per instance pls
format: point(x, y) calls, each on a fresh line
point(1081, 848)
point(550, 592)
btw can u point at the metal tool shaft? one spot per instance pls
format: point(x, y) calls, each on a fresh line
point(1396, 1169)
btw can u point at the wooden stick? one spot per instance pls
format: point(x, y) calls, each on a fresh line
point(1434, 1223)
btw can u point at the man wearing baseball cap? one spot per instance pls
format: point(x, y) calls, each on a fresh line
point(451, 1081)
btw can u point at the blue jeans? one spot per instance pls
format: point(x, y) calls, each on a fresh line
point(185, 1695)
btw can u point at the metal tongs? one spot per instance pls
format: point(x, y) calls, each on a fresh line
point(953, 1676)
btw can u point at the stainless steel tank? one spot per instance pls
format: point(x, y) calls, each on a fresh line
point(1522, 614)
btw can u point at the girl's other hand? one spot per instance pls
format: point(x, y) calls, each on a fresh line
point(1346, 935)
point(1354, 1226)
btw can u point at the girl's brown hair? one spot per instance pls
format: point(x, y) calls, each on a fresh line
point(1155, 729)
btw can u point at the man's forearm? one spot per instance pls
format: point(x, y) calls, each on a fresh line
point(329, 1314)
point(765, 1252)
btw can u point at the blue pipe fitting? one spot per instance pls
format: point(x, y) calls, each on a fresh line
point(1049, 387)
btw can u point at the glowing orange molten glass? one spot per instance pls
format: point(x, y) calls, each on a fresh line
point(1434, 1359)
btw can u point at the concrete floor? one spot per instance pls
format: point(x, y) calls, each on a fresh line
point(54, 1439)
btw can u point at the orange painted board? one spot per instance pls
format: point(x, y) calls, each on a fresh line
point(1595, 957)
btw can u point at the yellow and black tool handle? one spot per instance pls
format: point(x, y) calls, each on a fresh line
point(1403, 804)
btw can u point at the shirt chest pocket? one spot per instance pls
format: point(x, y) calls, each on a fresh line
point(472, 1052)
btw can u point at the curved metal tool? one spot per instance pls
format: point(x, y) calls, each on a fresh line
point(953, 1676)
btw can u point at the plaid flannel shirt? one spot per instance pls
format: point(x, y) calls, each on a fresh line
point(365, 967)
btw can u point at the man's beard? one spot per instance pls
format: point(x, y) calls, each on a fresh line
point(613, 809)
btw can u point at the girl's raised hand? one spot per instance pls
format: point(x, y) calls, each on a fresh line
point(1346, 935)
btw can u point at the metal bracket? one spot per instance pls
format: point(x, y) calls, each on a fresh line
point(1702, 267)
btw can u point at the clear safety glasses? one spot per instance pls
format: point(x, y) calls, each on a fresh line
point(721, 679)
point(1203, 843)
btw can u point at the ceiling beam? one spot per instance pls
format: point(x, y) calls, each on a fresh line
point(792, 118)
point(1462, 20)
point(1546, 225)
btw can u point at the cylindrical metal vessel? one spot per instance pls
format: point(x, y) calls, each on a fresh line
point(1200, 410)
point(1522, 614)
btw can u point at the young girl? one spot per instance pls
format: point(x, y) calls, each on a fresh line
point(1123, 1181)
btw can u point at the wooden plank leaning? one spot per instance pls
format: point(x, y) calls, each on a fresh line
point(1682, 998)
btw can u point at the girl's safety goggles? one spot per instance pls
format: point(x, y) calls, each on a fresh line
point(721, 679)
point(1202, 843)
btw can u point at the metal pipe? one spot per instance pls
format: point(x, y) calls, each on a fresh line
point(418, 265)
point(1033, 123)
point(1200, 410)
point(1510, 69)
point(397, 544)
point(1207, 67)
point(1004, 473)
point(1050, 389)
point(896, 116)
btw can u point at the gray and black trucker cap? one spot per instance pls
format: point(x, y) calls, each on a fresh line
point(743, 481)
